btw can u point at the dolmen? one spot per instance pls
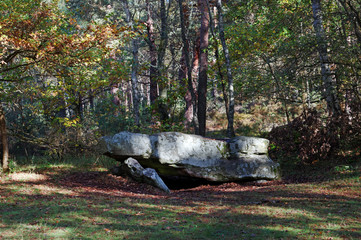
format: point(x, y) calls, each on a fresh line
point(174, 154)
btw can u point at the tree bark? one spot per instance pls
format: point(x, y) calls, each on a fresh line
point(134, 78)
point(135, 63)
point(328, 77)
point(4, 140)
point(153, 71)
point(230, 127)
point(191, 110)
point(79, 106)
point(182, 76)
point(163, 35)
point(218, 62)
point(279, 90)
point(163, 110)
point(203, 66)
point(194, 71)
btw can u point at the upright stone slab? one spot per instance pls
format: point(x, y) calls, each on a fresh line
point(132, 168)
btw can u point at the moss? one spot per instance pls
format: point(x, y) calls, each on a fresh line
point(224, 150)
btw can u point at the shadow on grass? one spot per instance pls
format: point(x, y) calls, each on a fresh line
point(94, 205)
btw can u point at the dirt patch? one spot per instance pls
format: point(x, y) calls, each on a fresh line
point(104, 183)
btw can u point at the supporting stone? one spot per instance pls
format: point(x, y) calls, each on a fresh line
point(133, 169)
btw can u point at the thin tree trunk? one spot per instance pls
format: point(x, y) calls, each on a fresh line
point(134, 78)
point(182, 76)
point(328, 78)
point(4, 140)
point(135, 63)
point(91, 101)
point(194, 71)
point(278, 88)
point(163, 35)
point(230, 127)
point(153, 71)
point(163, 110)
point(308, 92)
point(218, 63)
point(190, 88)
point(79, 106)
point(203, 66)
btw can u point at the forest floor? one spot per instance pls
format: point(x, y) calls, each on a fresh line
point(61, 202)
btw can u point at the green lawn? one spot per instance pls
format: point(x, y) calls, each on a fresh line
point(60, 202)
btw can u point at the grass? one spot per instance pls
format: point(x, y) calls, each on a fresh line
point(58, 200)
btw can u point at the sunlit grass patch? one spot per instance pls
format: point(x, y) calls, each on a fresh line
point(71, 202)
point(27, 177)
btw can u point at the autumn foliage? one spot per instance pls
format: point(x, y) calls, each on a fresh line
point(50, 62)
point(46, 37)
point(313, 139)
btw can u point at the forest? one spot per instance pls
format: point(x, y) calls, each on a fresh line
point(74, 71)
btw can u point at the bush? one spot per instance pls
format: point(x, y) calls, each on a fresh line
point(308, 137)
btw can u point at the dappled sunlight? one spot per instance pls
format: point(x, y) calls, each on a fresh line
point(34, 184)
point(40, 231)
point(27, 177)
point(45, 189)
point(285, 213)
point(97, 204)
point(74, 73)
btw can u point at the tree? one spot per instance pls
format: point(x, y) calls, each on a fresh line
point(203, 66)
point(153, 71)
point(135, 64)
point(161, 53)
point(230, 128)
point(51, 59)
point(4, 141)
point(190, 97)
point(328, 77)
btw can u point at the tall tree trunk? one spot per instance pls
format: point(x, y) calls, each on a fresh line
point(135, 63)
point(153, 71)
point(182, 76)
point(218, 61)
point(4, 140)
point(161, 54)
point(203, 66)
point(308, 92)
point(163, 35)
point(91, 101)
point(190, 93)
point(194, 71)
point(79, 106)
point(134, 78)
point(278, 88)
point(328, 78)
point(230, 127)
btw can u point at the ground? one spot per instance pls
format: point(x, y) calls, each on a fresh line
point(93, 204)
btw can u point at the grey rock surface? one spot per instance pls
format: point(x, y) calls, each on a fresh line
point(133, 169)
point(187, 155)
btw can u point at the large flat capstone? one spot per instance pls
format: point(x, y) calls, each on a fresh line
point(187, 155)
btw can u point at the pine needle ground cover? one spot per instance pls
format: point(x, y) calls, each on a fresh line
point(66, 203)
